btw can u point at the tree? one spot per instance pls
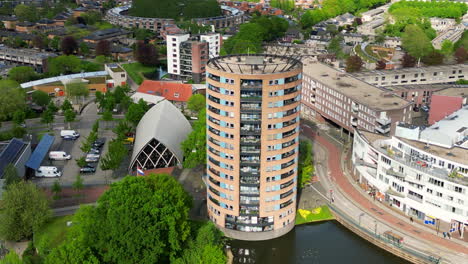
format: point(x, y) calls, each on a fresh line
point(194, 146)
point(136, 112)
point(103, 47)
point(55, 43)
point(56, 189)
point(84, 48)
point(71, 252)
point(66, 105)
point(40, 98)
point(460, 55)
point(139, 220)
point(12, 99)
point(78, 183)
point(70, 116)
point(47, 117)
point(64, 65)
point(52, 107)
point(10, 174)
point(38, 42)
point(19, 116)
point(77, 90)
point(26, 13)
point(380, 65)
point(25, 210)
point(416, 42)
point(205, 248)
point(11, 258)
point(305, 168)
point(22, 74)
point(433, 58)
point(353, 64)
point(196, 102)
point(92, 17)
point(408, 61)
point(446, 48)
point(146, 54)
point(68, 45)
point(335, 47)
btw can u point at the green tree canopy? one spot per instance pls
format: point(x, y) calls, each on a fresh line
point(64, 65)
point(175, 9)
point(12, 98)
point(416, 42)
point(10, 174)
point(139, 220)
point(26, 12)
point(25, 209)
point(136, 112)
point(196, 102)
point(194, 146)
point(40, 98)
point(22, 74)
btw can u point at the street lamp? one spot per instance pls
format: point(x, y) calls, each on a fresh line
point(361, 215)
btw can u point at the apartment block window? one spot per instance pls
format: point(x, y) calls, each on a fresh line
point(439, 194)
point(458, 189)
point(429, 190)
point(436, 182)
point(386, 160)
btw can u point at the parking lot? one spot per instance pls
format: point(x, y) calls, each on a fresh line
point(69, 168)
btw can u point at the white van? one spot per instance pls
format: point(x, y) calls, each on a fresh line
point(48, 172)
point(71, 133)
point(59, 155)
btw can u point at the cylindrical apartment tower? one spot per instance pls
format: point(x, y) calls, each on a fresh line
point(253, 104)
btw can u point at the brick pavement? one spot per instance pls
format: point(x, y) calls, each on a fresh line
point(334, 165)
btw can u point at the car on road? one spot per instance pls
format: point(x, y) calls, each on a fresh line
point(59, 155)
point(69, 138)
point(73, 133)
point(88, 169)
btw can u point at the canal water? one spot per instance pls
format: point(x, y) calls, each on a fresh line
point(326, 242)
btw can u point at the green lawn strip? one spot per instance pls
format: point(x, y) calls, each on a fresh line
point(362, 55)
point(324, 215)
point(52, 234)
point(40, 134)
point(135, 71)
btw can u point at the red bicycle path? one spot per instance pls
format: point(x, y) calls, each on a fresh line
point(334, 167)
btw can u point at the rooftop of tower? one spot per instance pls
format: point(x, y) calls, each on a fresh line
point(254, 63)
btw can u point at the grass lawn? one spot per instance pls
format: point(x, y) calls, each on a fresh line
point(318, 214)
point(135, 71)
point(51, 234)
point(363, 56)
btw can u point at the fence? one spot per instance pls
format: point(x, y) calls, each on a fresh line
point(398, 249)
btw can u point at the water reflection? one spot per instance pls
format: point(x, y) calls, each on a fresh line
point(327, 242)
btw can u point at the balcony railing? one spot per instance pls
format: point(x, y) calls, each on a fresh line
point(383, 129)
point(250, 140)
point(215, 172)
point(414, 198)
point(214, 141)
point(289, 133)
point(286, 194)
point(287, 174)
point(289, 143)
point(384, 121)
point(251, 84)
point(290, 90)
point(287, 164)
point(288, 154)
point(285, 204)
point(214, 77)
point(287, 184)
point(395, 173)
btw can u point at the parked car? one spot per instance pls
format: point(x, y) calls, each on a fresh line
point(425, 108)
point(69, 138)
point(99, 143)
point(94, 151)
point(59, 155)
point(73, 133)
point(92, 158)
point(48, 172)
point(88, 169)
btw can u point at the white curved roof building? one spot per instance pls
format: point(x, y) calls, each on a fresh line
point(159, 136)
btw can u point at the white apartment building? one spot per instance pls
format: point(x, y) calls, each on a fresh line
point(214, 43)
point(421, 171)
point(173, 52)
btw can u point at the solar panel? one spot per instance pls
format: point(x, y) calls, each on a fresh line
point(10, 153)
point(40, 152)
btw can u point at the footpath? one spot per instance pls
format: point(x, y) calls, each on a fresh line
point(356, 205)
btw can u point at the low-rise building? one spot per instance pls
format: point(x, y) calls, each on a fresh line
point(111, 34)
point(441, 24)
point(9, 22)
point(25, 27)
point(421, 171)
point(175, 92)
point(350, 103)
point(443, 106)
point(423, 75)
point(372, 14)
point(369, 28)
point(29, 57)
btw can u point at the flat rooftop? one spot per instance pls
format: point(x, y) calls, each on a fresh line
point(457, 154)
point(360, 91)
point(254, 64)
point(434, 87)
point(459, 90)
point(412, 70)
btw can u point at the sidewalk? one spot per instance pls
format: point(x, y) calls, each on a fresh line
point(357, 206)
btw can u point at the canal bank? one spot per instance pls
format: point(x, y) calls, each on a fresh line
point(324, 242)
point(365, 214)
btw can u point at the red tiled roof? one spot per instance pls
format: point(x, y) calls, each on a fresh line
point(172, 91)
point(442, 106)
